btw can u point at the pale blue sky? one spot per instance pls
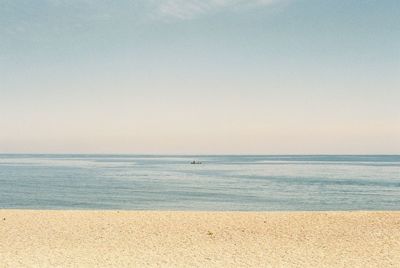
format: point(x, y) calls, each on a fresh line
point(212, 76)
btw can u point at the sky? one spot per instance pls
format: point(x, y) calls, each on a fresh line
point(200, 77)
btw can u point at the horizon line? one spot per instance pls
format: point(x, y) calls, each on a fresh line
point(201, 154)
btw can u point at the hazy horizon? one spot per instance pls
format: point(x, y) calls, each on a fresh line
point(264, 77)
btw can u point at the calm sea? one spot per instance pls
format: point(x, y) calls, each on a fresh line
point(248, 183)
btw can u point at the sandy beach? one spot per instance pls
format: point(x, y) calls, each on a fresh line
point(31, 238)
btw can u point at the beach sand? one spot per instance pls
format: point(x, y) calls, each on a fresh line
point(198, 239)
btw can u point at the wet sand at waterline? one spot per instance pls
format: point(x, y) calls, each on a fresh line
point(60, 238)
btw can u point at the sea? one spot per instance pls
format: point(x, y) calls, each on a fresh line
point(219, 183)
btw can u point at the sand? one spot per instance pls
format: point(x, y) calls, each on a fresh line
point(198, 239)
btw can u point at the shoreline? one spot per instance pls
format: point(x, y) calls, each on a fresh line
point(124, 238)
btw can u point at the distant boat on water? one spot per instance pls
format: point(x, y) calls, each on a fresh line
point(195, 163)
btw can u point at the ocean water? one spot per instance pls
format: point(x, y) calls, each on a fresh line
point(245, 183)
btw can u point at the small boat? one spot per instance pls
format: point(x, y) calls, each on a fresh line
point(195, 163)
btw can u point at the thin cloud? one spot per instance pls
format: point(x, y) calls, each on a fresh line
point(46, 18)
point(189, 9)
